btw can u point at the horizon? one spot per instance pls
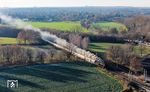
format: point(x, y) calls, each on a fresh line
point(73, 3)
point(74, 7)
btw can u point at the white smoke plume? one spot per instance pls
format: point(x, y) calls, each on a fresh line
point(50, 38)
point(18, 23)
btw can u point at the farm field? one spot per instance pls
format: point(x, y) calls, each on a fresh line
point(59, 77)
point(6, 40)
point(102, 47)
point(105, 26)
point(75, 26)
point(62, 26)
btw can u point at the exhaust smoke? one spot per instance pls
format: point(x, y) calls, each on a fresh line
point(52, 39)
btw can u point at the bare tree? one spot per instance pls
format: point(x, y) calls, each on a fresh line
point(28, 36)
point(113, 54)
point(41, 56)
point(75, 39)
point(120, 54)
point(52, 52)
point(7, 53)
point(135, 63)
point(29, 53)
point(85, 43)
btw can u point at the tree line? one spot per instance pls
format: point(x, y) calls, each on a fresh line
point(15, 54)
point(138, 27)
point(124, 55)
point(74, 14)
point(29, 37)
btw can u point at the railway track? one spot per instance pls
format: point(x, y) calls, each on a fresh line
point(69, 47)
point(83, 55)
point(142, 86)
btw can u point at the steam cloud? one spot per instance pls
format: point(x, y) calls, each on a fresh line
point(50, 38)
point(18, 23)
point(12, 22)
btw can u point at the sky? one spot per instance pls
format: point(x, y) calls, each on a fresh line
point(73, 3)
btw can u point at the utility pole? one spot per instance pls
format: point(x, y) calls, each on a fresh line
point(145, 75)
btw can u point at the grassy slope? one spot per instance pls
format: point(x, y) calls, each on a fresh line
point(63, 26)
point(105, 26)
point(5, 40)
point(62, 77)
point(102, 47)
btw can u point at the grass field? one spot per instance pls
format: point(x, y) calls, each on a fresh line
point(62, 26)
point(105, 26)
point(61, 77)
point(5, 40)
point(75, 26)
point(102, 47)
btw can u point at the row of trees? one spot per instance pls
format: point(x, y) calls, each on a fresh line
point(139, 28)
point(32, 37)
point(91, 37)
point(23, 55)
point(124, 55)
point(73, 14)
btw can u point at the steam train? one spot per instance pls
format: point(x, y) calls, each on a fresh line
point(81, 53)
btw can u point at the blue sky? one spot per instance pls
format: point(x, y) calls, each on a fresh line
point(74, 3)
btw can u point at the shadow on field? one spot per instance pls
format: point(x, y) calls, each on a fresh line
point(54, 72)
point(5, 89)
point(116, 67)
point(82, 63)
point(22, 81)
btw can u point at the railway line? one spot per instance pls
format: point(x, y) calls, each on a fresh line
point(74, 50)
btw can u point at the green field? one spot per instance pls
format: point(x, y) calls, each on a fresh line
point(62, 26)
point(76, 26)
point(102, 47)
point(105, 26)
point(6, 40)
point(60, 77)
